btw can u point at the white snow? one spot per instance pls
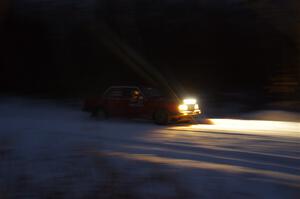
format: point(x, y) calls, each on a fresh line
point(54, 150)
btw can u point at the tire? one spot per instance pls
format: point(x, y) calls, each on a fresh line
point(99, 113)
point(161, 117)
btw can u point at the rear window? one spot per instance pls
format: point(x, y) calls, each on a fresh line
point(114, 93)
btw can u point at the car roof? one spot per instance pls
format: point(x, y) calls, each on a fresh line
point(120, 87)
point(124, 87)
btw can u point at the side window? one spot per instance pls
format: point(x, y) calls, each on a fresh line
point(128, 92)
point(133, 94)
point(113, 93)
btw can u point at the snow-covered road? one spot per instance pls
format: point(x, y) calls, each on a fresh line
point(57, 146)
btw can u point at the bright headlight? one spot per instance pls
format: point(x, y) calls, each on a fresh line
point(190, 101)
point(183, 107)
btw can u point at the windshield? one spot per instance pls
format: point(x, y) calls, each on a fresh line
point(152, 92)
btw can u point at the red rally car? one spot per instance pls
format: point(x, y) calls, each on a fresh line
point(141, 102)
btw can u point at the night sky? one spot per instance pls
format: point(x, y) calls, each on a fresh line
point(66, 47)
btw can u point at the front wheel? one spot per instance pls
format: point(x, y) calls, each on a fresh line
point(161, 117)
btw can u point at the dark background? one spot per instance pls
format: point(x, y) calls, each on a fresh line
point(225, 50)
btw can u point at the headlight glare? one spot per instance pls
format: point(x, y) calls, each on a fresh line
point(183, 107)
point(190, 101)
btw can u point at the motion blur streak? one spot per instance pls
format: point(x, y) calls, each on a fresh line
point(291, 180)
point(248, 126)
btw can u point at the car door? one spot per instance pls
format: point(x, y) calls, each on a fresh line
point(135, 102)
point(114, 101)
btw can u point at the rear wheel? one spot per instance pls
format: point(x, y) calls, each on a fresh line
point(161, 117)
point(99, 113)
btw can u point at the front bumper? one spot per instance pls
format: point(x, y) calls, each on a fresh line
point(185, 114)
